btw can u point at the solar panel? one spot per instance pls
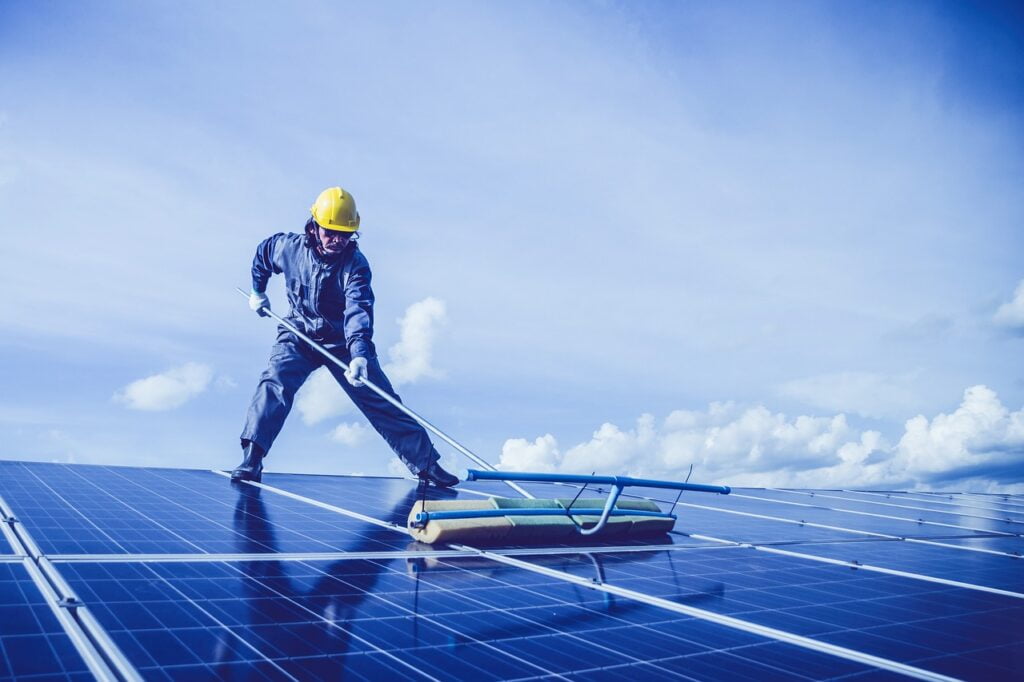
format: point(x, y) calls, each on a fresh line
point(33, 645)
point(177, 574)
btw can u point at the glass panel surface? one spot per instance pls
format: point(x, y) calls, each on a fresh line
point(1006, 573)
point(449, 619)
point(905, 513)
point(33, 645)
point(117, 510)
point(901, 619)
point(952, 505)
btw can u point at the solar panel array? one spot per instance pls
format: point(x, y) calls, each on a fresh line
point(128, 573)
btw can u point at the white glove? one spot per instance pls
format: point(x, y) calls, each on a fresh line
point(257, 300)
point(356, 371)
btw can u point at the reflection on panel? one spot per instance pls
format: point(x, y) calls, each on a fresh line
point(117, 510)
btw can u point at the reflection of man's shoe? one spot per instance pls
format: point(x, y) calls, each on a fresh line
point(251, 468)
point(437, 476)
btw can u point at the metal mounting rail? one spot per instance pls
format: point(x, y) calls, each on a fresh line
point(387, 396)
point(101, 655)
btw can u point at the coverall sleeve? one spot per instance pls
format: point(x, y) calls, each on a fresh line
point(264, 263)
point(359, 310)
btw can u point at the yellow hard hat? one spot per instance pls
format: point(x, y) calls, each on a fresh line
point(335, 209)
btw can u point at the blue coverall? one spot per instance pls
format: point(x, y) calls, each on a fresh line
point(331, 302)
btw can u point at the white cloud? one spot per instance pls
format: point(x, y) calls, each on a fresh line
point(980, 446)
point(411, 356)
point(1012, 314)
point(519, 454)
point(321, 398)
point(167, 390)
point(980, 434)
point(350, 434)
point(224, 383)
point(864, 393)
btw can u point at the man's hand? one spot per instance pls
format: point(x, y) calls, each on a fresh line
point(257, 300)
point(356, 371)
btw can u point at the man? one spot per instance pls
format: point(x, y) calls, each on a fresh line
point(328, 283)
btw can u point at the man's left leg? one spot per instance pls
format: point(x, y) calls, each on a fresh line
point(404, 434)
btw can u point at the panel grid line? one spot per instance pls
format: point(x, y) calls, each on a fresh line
point(966, 499)
point(156, 522)
point(836, 528)
point(907, 496)
point(856, 565)
point(816, 495)
point(890, 517)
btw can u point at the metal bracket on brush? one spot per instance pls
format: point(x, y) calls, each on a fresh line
point(617, 483)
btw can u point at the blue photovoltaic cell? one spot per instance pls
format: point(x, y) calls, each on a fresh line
point(1005, 573)
point(452, 619)
point(1006, 500)
point(907, 527)
point(924, 624)
point(101, 510)
point(947, 507)
point(994, 544)
point(960, 502)
point(33, 645)
point(968, 524)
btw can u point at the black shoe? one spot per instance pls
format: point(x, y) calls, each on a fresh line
point(251, 468)
point(438, 477)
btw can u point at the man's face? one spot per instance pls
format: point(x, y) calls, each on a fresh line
point(333, 241)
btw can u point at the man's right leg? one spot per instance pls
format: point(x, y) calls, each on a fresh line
point(290, 364)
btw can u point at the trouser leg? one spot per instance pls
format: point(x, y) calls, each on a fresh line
point(288, 368)
point(406, 437)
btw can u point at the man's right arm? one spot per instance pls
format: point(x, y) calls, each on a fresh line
point(264, 263)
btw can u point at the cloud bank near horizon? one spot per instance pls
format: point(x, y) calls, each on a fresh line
point(979, 446)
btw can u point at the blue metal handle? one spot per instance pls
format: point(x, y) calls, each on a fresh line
point(422, 518)
point(617, 481)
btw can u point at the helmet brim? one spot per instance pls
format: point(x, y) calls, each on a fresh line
point(336, 228)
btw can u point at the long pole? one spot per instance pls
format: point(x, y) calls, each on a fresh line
point(387, 396)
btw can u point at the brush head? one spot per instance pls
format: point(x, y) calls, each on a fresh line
point(521, 530)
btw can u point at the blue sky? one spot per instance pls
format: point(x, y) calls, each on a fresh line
point(778, 241)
